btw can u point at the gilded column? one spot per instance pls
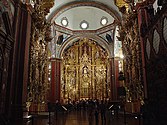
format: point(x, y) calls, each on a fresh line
point(77, 82)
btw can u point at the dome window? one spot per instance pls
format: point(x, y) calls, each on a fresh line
point(84, 25)
point(104, 21)
point(64, 22)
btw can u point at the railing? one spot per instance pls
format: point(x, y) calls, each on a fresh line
point(31, 115)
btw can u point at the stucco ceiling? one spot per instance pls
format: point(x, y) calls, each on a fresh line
point(91, 11)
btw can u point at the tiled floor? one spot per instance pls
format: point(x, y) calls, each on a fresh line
point(81, 118)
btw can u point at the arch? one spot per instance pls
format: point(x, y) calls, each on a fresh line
point(70, 5)
point(97, 39)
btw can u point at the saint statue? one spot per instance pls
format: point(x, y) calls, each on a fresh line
point(85, 71)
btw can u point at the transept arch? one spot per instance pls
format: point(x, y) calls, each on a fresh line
point(97, 39)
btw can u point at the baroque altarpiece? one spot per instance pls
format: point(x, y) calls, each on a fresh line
point(85, 71)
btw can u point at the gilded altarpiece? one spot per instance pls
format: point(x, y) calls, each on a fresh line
point(38, 85)
point(129, 35)
point(85, 71)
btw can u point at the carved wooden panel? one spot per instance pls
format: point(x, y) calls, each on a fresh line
point(4, 64)
point(148, 49)
point(156, 69)
point(165, 29)
point(156, 41)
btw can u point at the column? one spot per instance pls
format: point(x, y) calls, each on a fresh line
point(55, 89)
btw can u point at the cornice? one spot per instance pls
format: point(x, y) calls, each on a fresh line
point(78, 32)
point(55, 59)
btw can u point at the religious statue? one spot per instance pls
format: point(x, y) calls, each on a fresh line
point(85, 71)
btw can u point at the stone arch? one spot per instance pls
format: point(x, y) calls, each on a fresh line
point(97, 39)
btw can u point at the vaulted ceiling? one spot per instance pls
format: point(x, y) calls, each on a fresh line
point(91, 12)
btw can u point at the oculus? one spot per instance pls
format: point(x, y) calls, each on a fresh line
point(64, 22)
point(84, 25)
point(104, 21)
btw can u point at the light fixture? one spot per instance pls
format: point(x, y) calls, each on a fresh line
point(32, 3)
point(104, 21)
point(121, 56)
point(53, 56)
point(64, 22)
point(84, 24)
point(49, 66)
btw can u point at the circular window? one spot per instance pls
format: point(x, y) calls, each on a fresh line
point(64, 22)
point(84, 24)
point(104, 21)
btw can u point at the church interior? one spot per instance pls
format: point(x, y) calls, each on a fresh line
point(65, 51)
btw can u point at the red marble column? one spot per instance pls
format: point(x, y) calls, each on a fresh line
point(111, 79)
point(55, 80)
point(114, 77)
